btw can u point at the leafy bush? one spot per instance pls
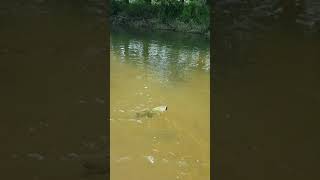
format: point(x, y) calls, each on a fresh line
point(169, 10)
point(136, 9)
point(117, 7)
point(164, 10)
point(196, 13)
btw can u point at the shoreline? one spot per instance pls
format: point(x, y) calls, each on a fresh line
point(155, 24)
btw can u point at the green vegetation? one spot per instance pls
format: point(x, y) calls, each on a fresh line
point(192, 16)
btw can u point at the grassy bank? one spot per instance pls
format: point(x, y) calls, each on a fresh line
point(168, 15)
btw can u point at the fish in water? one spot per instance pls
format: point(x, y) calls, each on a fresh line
point(151, 112)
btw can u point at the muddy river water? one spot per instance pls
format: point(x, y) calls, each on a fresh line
point(53, 89)
point(149, 70)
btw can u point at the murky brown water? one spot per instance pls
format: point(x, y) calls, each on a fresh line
point(266, 103)
point(148, 70)
point(53, 81)
point(54, 112)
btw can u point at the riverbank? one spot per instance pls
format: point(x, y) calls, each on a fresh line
point(156, 24)
point(191, 18)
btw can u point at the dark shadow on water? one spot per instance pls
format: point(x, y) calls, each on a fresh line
point(266, 99)
point(54, 87)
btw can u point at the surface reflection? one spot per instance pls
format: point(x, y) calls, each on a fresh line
point(171, 59)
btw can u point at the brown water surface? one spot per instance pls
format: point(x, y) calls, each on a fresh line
point(149, 70)
point(53, 81)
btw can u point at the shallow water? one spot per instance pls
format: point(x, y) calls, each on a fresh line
point(149, 70)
